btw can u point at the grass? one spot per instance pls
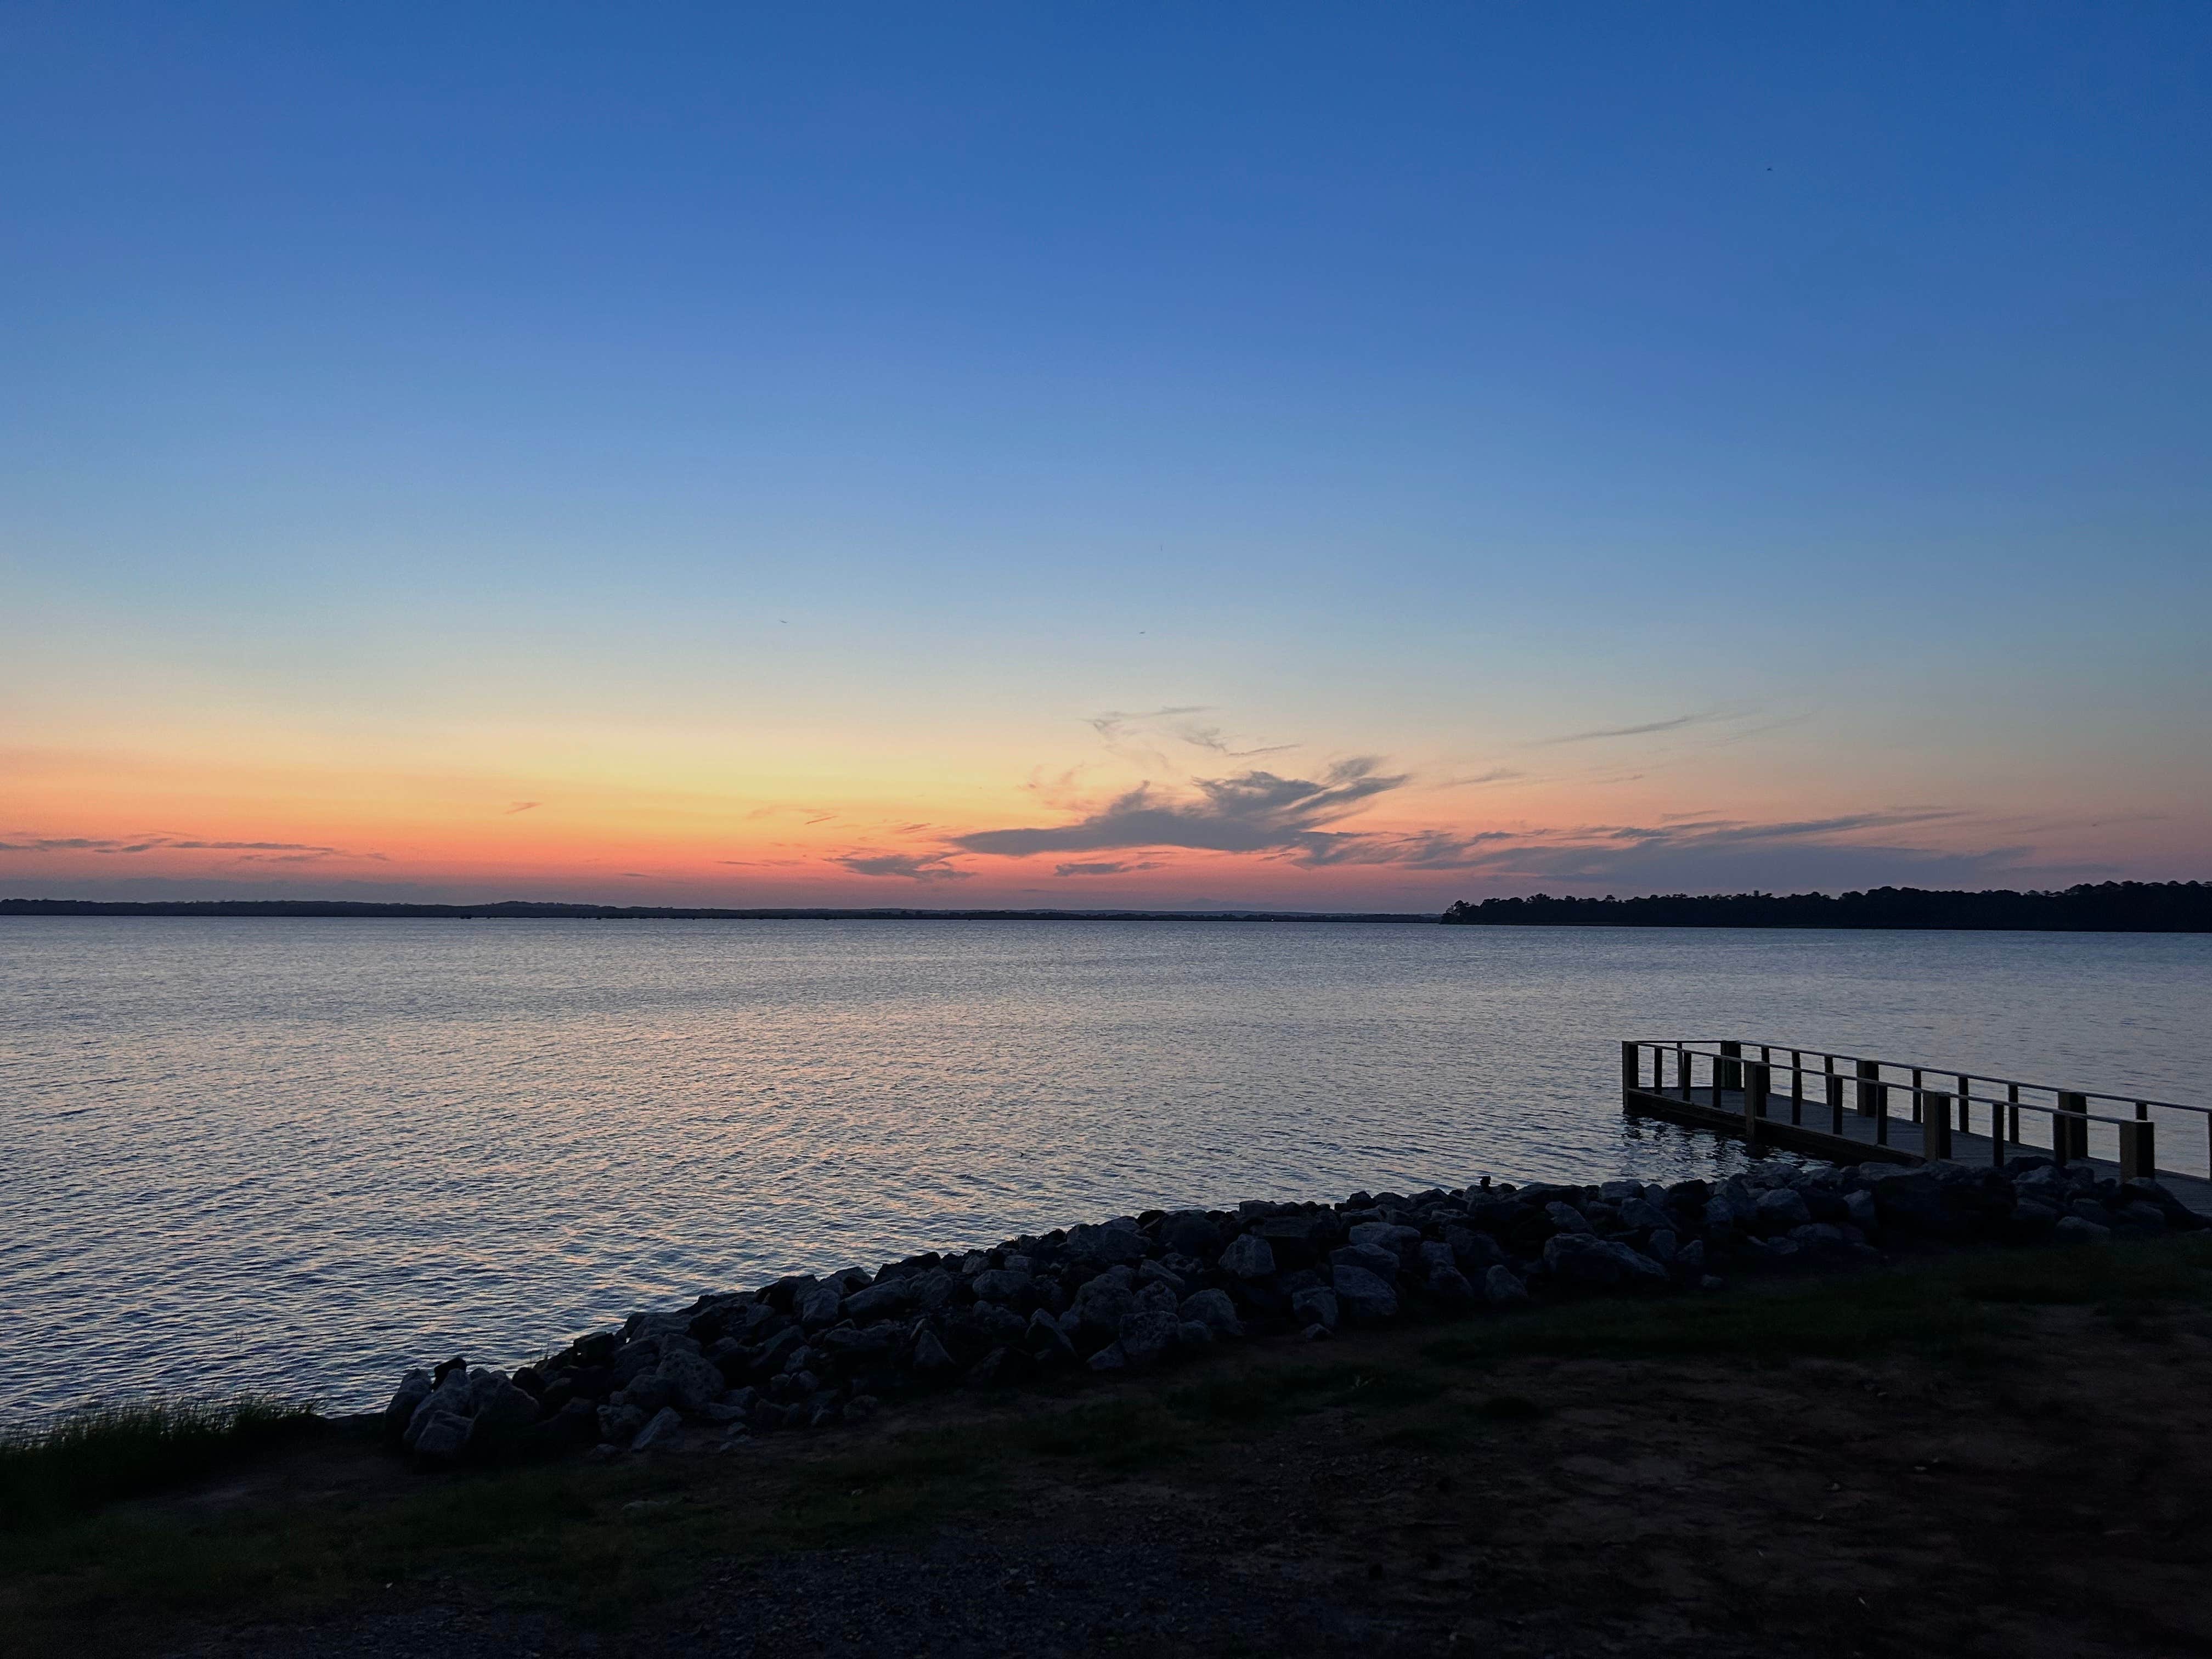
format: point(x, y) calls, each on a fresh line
point(597, 1543)
point(121, 1448)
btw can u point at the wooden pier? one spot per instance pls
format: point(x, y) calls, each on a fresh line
point(1849, 1109)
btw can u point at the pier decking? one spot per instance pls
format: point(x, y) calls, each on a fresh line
point(1849, 1109)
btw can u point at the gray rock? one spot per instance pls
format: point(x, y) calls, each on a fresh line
point(414, 1387)
point(1110, 1358)
point(1102, 1305)
point(2074, 1229)
point(1502, 1288)
point(1399, 1242)
point(661, 1430)
point(821, 1307)
point(1780, 1210)
point(930, 1357)
point(1433, 1255)
point(1190, 1232)
point(1149, 1336)
point(1195, 1334)
point(1644, 1215)
point(881, 1301)
point(1819, 1236)
point(1153, 1298)
point(1045, 1338)
point(510, 1408)
point(1584, 1259)
point(444, 1439)
point(1662, 1246)
point(693, 1383)
point(1567, 1217)
point(1859, 1206)
point(1689, 1262)
point(1315, 1305)
point(1153, 1274)
point(450, 1398)
point(1382, 1263)
point(1106, 1243)
point(1362, 1294)
point(1248, 1257)
point(1214, 1310)
point(620, 1424)
point(997, 1284)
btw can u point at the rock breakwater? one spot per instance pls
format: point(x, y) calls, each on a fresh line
point(1144, 1290)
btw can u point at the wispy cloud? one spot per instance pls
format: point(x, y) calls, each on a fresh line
point(523, 806)
point(1122, 730)
point(291, 852)
point(914, 866)
point(1674, 724)
point(1104, 867)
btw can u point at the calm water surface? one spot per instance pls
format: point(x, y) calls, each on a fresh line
point(303, 1154)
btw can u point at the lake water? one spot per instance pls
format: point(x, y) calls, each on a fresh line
point(306, 1154)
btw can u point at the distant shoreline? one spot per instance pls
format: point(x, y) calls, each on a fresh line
point(2129, 907)
point(524, 910)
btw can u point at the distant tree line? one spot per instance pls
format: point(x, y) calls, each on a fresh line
point(523, 909)
point(2116, 907)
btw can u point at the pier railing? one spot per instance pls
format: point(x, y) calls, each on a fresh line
point(1848, 1095)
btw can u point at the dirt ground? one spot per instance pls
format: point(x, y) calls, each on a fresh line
point(2007, 1459)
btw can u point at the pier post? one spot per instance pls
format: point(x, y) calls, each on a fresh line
point(2071, 1133)
point(1835, 1083)
point(1874, 1097)
point(1631, 1068)
point(1757, 1080)
point(1935, 1124)
point(2138, 1151)
point(1727, 1074)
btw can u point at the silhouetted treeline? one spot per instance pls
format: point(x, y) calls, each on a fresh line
point(512, 910)
point(2115, 907)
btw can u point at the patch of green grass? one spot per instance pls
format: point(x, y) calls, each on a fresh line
point(1120, 1437)
point(121, 1448)
point(1951, 1308)
point(2124, 1278)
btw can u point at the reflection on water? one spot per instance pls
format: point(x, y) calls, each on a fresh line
point(303, 1153)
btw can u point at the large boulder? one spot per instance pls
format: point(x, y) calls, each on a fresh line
point(1108, 1244)
point(1779, 1209)
point(1214, 1310)
point(1600, 1263)
point(693, 1383)
point(1502, 1288)
point(1362, 1294)
point(414, 1388)
point(1316, 1304)
point(821, 1307)
point(999, 1285)
point(1190, 1232)
point(1248, 1257)
point(1382, 1263)
point(881, 1301)
point(1149, 1335)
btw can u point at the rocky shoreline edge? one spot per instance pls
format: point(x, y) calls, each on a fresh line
point(1145, 1290)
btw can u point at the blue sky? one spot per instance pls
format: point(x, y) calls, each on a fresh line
point(688, 414)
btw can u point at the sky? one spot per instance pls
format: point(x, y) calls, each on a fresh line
point(1268, 456)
